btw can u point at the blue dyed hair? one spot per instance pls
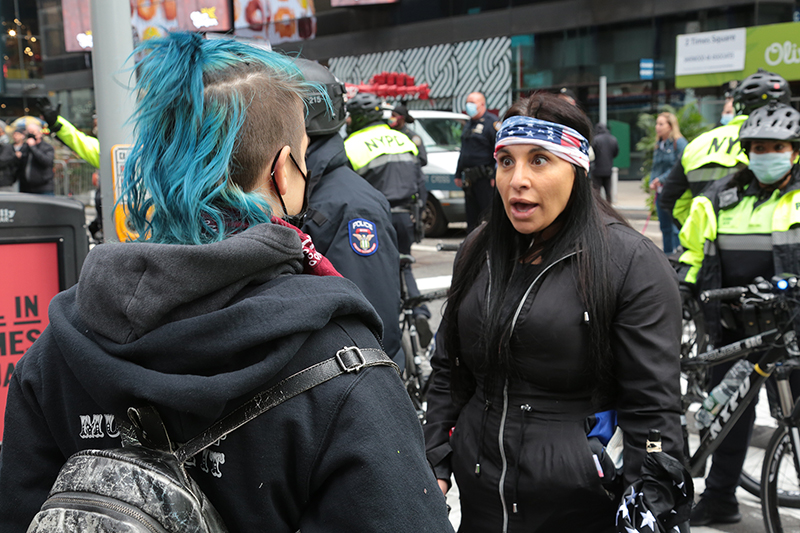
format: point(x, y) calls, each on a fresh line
point(210, 118)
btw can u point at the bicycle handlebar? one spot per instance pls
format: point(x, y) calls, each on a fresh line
point(726, 293)
point(446, 247)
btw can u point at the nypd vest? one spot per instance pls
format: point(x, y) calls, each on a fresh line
point(387, 159)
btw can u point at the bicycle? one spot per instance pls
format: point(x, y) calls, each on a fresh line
point(770, 308)
point(417, 373)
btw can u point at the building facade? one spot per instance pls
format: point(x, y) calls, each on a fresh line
point(504, 48)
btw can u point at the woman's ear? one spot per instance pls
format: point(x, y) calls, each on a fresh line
point(281, 174)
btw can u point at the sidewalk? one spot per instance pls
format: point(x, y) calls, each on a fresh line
point(632, 204)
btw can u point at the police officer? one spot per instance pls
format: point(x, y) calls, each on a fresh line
point(399, 121)
point(348, 220)
point(475, 170)
point(87, 148)
point(738, 229)
point(387, 159)
point(716, 153)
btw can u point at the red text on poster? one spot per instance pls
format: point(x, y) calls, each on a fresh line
point(29, 279)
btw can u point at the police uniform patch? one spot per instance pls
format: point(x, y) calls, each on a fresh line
point(363, 236)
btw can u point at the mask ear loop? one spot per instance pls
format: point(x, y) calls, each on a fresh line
point(275, 184)
point(298, 219)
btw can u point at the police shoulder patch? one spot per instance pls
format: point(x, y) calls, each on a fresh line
point(363, 236)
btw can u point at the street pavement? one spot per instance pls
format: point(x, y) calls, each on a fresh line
point(433, 271)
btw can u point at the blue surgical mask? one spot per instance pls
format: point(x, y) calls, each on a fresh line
point(725, 118)
point(771, 167)
point(472, 109)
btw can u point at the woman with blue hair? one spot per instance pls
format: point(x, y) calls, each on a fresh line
point(217, 300)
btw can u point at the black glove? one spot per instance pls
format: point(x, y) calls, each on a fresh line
point(49, 113)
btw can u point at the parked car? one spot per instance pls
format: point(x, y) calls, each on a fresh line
point(441, 134)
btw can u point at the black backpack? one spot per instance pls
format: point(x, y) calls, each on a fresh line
point(143, 487)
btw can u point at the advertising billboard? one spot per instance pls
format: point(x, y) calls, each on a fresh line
point(149, 18)
point(346, 3)
point(29, 279)
point(773, 47)
point(276, 21)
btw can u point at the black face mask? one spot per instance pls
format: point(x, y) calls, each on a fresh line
point(298, 219)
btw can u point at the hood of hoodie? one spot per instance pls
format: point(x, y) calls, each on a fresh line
point(324, 155)
point(192, 328)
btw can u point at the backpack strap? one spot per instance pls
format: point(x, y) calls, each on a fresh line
point(348, 359)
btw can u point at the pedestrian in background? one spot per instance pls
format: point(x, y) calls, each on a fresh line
point(400, 121)
point(475, 169)
point(221, 299)
point(35, 162)
point(667, 153)
point(605, 150)
point(8, 162)
point(728, 112)
point(560, 316)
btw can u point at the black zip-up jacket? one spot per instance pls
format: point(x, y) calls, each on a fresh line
point(196, 331)
point(35, 168)
point(337, 197)
point(520, 454)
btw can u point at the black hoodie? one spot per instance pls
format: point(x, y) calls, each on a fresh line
point(196, 331)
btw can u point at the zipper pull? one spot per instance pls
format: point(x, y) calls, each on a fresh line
point(526, 408)
point(477, 469)
point(514, 508)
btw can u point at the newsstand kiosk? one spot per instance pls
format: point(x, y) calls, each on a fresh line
point(43, 243)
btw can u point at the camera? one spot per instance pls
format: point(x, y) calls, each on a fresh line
point(31, 136)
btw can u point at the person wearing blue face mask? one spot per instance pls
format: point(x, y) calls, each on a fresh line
point(728, 112)
point(737, 230)
point(475, 169)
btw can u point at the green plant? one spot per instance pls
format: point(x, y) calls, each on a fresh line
point(691, 123)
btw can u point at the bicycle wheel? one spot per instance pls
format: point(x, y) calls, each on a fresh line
point(750, 478)
point(779, 476)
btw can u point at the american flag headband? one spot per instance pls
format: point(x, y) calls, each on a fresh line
point(562, 141)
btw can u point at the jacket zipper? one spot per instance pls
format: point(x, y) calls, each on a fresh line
point(500, 436)
point(503, 460)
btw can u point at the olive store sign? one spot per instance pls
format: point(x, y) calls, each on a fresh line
point(27, 284)
point(774, 47)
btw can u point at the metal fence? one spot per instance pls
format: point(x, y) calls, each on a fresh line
point(73, 177)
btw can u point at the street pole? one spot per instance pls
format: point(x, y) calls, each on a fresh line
point(603, 100)
point(111, 48)
point(21, 57)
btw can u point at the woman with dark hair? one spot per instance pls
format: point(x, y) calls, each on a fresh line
point(218, 300)
point(562, 324)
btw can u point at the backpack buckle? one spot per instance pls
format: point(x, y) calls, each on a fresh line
point(349, 363)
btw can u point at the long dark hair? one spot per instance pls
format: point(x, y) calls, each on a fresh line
point(582, 229)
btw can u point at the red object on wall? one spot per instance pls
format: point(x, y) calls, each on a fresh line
point(392, 84)
point(29, 279)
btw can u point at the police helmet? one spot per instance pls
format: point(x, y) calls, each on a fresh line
point(364, 108)
point(320, 120)
point(759, 89)
point(772, 122)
